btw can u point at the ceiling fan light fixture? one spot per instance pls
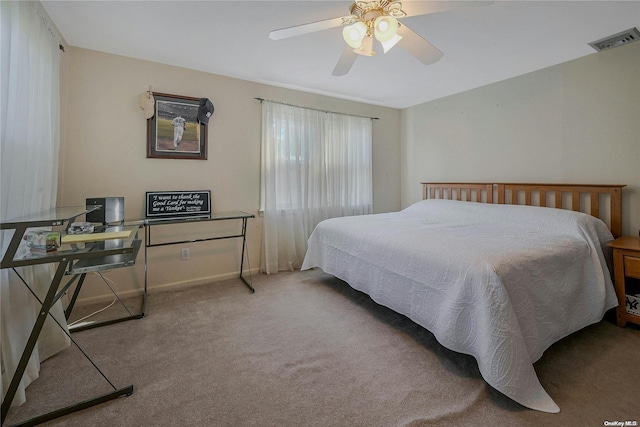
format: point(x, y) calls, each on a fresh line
point(359, 29)
point(394, 8)
point(385, 27)
point(366, 48)
point(355, 34)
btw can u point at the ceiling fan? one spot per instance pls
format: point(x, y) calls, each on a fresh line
point(378, 19)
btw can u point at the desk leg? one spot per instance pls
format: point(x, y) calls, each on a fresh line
point(147, 243)
point(244, 244)
point(75, 328)
point(253, 291)
point(125, 391)
point(76, 292)
point(48, 302)
point(33, 338)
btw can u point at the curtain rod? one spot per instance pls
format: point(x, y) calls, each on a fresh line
point(316, 109)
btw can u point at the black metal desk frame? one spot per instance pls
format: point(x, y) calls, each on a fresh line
point(80, 270)
point(219, 216)
point(65, 258)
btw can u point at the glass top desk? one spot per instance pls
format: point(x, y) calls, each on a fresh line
point(96, 249)
point(150, 223)
point(89, 253)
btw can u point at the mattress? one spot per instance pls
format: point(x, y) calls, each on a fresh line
point(499, 282)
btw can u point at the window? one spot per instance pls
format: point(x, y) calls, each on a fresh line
point(315, 165)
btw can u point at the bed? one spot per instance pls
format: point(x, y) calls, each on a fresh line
point(488, 268)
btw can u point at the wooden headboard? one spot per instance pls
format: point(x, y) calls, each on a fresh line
point(584, 198)
point(467, 192)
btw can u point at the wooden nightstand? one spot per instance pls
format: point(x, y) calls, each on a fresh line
point(626, 264)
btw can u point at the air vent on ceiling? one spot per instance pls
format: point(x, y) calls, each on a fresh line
point(625, 37)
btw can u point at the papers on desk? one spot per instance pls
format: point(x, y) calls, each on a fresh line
point(94, 237)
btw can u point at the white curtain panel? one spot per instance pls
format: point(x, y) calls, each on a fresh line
point(30, 128)
point(315, 165)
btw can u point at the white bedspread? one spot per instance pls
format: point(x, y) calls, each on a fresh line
point(499, 282)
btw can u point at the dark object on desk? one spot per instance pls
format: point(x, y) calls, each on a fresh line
point(112, 210)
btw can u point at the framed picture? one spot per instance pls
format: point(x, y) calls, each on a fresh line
point(172, 204)
point(174, 132)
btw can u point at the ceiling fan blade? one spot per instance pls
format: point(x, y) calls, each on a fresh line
point(415, 8)
point(424, 51)
point(345, 62)
point(299, 30)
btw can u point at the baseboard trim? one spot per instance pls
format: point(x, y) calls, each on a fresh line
point(200, 281)
point(165, 287)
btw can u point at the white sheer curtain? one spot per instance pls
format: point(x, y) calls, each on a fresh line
point(29, 131)
point(315, 166)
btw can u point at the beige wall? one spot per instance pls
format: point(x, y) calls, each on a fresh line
point(103, 153)
point(577, 122)
point(574, 122)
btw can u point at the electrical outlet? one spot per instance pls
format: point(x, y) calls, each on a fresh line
point(185, 253)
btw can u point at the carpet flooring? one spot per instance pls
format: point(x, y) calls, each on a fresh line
point(308, 350)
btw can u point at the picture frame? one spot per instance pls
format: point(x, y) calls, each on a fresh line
point(174, 131)
point(174, 204)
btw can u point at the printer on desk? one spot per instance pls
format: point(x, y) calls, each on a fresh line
point(111, 219)
point(112, 211)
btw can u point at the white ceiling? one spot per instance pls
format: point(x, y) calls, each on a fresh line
point(481, 45)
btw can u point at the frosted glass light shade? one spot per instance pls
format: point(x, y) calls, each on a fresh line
point(354, 34)
point(390, 43)
point(385, 27)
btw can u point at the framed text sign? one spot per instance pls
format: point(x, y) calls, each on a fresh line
point(171, 204)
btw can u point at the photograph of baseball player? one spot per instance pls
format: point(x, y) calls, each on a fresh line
point(176, 127)
point(174, 130)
